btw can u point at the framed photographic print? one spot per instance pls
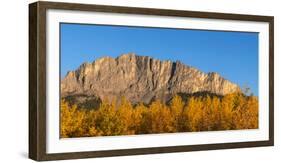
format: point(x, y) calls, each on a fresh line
point(112, 81)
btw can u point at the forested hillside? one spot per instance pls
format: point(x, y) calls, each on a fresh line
point(195, 113)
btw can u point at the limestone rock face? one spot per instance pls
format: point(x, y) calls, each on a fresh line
point(141, 79)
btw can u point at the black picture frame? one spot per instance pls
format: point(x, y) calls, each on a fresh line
point(37, 79)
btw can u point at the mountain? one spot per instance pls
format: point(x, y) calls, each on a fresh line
point(139, 79)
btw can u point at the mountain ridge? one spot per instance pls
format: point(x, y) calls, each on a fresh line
point(141, 79)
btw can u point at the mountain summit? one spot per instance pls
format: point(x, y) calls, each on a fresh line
point(141, 79)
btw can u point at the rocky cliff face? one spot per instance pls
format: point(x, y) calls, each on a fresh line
point(141, 79)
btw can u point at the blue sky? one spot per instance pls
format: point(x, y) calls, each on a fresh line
point(234, 55)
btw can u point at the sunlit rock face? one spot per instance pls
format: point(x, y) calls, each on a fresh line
point(141, 79)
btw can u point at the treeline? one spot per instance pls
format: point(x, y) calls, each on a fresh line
point(198, 113)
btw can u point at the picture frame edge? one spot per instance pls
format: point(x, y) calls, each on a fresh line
point(32, 115)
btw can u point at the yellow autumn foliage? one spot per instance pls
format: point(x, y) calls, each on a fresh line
point(198, 113)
